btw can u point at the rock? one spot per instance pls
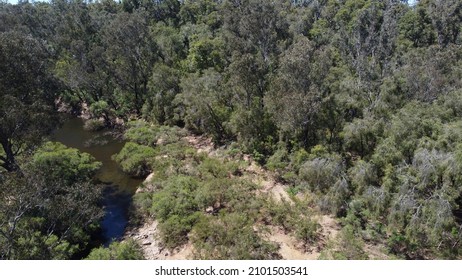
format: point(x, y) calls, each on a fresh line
point(149, 178)
point(146, 243)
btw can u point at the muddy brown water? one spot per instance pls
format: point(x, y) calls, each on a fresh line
point(119, 188)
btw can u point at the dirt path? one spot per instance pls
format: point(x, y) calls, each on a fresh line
point(266, 181)
point(290, 249)
point(201, 143)
point(376, 252)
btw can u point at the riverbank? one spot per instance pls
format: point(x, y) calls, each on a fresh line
point(190, 154)
point(147, 235)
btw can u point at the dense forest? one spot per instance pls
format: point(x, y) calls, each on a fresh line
point(353, 106)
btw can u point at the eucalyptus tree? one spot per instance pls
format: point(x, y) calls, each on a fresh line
point(28, 92)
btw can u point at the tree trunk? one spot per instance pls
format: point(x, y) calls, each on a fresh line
point(9, 163)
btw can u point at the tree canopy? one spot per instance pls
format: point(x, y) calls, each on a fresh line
point(355, 102)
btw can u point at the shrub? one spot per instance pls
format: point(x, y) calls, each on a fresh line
point(278, 161)
point(322, 173)
point(141, 132)
point(176, 198)
point(230, 237)
point(335, 201)
point(169, 134)
point(126, 250)
point(176, 209)
point(362, 175)
point(347, 246)
point(174, 230)
point(135, 159)
point(306, 231)
point(282, 214)
point(142, 201)
point(144, 133)
point(62, 163)
point(298, 158)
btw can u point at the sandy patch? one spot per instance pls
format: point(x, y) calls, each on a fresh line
point(146, 236)
point(291, 249)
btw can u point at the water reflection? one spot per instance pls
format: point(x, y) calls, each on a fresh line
point(119, 186)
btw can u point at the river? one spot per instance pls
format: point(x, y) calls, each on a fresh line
point(120, 187)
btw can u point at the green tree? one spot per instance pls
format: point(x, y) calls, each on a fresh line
point(27, 94)
point(446, 18)
point(164, 85)
point(130, 56)
point(50, 209)
point(416, 26)
point(254, 32)
point(296, 93)
point(201, 11)
point(362, 135)
point(206, 105)
point(46, 218)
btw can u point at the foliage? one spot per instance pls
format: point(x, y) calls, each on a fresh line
point(27, 95)
point(205, 104)
point(126, 250)
point(142, 133)
point(67, 164)
point(46, 217)
point(216, 238)
point(135, 159)
point(147, 134)
point(347, 246)
point(306, 231)
point(353, 103)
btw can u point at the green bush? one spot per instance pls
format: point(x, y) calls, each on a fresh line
point(144, 133)
point(141, 132)
point(174, 230)
point(279, 161)
point(231, 237)
point(347, 246)
point(135, 159)
point(322, 173)
point(298, 158)
point(62, 163)
point(176, 198)
point(126, 250)
point(335, 201)
point(306, 231)
point(176, 209)
point(361, 135)
point(169, 134)
point(142, 201)
point(282, 214)
point(214, 168)
point(362, 175)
